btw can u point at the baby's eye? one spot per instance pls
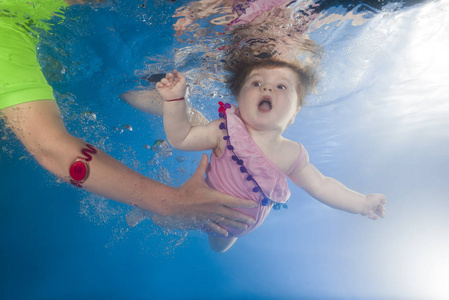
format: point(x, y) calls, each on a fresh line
point(282, 87)
point(256, 83)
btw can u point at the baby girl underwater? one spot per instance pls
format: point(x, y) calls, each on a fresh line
point(250, 157)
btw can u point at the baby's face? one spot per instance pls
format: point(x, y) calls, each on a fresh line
point(268, 99)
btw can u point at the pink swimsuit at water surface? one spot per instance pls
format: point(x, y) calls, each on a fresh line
point(244, 171)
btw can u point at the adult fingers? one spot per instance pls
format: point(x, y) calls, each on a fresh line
point(220, 220)
point(233, 224)
point(234, 215)
point(201, 169)
point(211, 227)
point(240, 203)
point(226, 201)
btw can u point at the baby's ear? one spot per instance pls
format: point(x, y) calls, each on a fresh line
point(292, 120)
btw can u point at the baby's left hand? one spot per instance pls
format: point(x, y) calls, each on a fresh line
point(375, 206)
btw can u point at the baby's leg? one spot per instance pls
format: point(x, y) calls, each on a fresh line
point(151, 102)
point(148, 101)
point(221, 244)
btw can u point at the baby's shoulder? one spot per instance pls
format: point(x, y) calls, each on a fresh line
point(296, 155)
point(291, 147)
point(288, 154)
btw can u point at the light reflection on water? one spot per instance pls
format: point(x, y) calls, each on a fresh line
point(384, 90)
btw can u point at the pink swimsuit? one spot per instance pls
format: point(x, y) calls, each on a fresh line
point(244, 171)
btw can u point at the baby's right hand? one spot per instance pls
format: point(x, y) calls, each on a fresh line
point(173, 86)
point(375, 206)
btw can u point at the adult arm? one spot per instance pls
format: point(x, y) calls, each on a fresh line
point(72, 2)
point(39, 126)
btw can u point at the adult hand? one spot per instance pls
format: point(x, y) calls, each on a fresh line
point(199, 206)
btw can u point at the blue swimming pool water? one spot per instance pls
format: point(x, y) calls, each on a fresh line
point(378, 124)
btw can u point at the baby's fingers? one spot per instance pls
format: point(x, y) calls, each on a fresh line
point(165, 82)
point(372, 216)
point(160, 85)
point(376, 212)
point(380, 211)
point(177, 74)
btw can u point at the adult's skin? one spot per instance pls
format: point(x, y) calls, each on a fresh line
point(39, 126)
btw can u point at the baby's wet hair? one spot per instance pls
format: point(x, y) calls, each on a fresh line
point(259, 45)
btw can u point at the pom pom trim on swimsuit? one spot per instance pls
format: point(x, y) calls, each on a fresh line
point(257, 189)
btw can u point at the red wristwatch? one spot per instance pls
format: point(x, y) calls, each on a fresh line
point(79, 172)
point(79, 169)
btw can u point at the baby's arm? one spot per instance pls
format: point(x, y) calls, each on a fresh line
point(334, 194)
point(181, 134)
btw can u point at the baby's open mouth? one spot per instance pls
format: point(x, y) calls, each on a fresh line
point(265, 104)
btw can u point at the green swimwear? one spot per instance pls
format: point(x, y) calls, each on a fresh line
point(21, 78)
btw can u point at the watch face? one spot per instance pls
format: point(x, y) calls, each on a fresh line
point(79, 170)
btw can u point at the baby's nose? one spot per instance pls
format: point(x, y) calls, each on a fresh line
point(265, 88)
